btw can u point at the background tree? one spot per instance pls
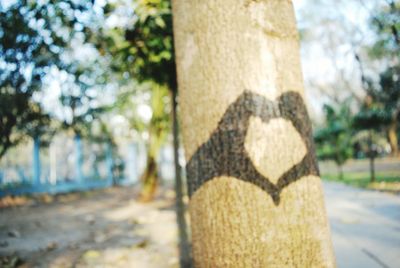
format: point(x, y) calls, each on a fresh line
point(386, 94)
point(158, 129)
point(80, 96)
point(385, 22)
point(382, 102)
point(385, 98)
point(334, 140)
point(33, 36)
point(144, 50)
point(370, 119)
point(147, 111)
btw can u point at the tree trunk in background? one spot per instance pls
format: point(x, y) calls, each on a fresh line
point(392, 136)
point(184, 246)
point(372, 168)
point(256, 196)
point(340, 171)
point(149, 180)
point(36, 161)
point(156, 138)
point(371, 156)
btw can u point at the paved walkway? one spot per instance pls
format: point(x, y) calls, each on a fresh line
point(365, 226)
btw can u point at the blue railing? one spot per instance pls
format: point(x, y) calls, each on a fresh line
point(106, 168)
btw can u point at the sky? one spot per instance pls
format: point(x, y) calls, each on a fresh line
point(332, 32)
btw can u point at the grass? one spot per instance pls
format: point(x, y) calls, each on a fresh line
point(385, 181)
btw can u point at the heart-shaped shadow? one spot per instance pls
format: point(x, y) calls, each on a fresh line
point(224, 153)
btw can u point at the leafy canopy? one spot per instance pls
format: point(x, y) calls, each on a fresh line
point(334, 140)
point(33, 37)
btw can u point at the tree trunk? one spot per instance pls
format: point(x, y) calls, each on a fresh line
point(184, 246)
point(36, 161)
point(156, 132)
point(256, 196)
point(149, 180)
point(372, 168)
point(340, 169)
point(392, 136)
point(371, 156)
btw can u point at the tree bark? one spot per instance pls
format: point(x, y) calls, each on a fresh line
point(256, 196)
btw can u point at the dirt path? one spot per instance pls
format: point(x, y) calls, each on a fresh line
point(106, 228)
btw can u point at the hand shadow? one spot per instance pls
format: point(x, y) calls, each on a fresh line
point(224, 154)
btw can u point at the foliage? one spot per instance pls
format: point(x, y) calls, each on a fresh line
point(80, 97)
point(368, 142)
point(146, 109)
point(19, 116)
point(385, 95)
point(147, 112)
point(33, 37)
point(334, 140)
point(145, 49)
point(370, 118)
point(386, 23)
point(381, 109)
point(142, 50)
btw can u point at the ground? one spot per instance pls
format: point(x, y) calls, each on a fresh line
point(356, 173)
point(108, 228)
point(105, 228)
point(364, 225)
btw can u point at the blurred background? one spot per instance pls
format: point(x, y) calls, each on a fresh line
point(86, 90)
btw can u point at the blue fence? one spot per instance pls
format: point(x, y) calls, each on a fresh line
point(68, 164)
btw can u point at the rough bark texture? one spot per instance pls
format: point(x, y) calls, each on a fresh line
point(256, 197)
